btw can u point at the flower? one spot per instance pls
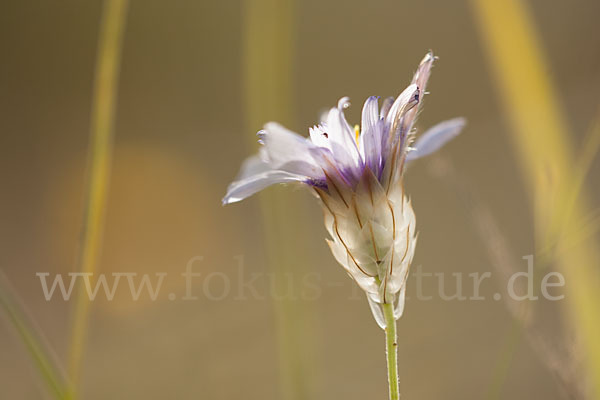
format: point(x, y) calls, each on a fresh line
point(358, 176)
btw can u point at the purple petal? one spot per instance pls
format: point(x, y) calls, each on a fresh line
point(371, 143)
point(370, 113)
point(434, 138)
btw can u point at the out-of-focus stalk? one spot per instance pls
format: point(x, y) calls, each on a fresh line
point(267, 77)
point(561, 364)
point(541, 138)
point(41, 355)
point(112, 26)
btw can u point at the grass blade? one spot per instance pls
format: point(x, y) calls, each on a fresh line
point(112, 27)
point(541, 138)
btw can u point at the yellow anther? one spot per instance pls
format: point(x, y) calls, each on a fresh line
point(357, 133)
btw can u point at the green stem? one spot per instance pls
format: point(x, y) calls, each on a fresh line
point(391, 349)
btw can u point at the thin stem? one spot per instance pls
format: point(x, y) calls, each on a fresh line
point(268, 61)
point(391, 349)
point(112, 26)
point(544, 145)
point(33, 341)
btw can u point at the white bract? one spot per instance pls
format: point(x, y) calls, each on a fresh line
point(358, 176)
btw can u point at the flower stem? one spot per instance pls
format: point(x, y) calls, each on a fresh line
point(391, 349)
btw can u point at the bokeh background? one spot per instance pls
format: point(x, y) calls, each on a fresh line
point(188, 107)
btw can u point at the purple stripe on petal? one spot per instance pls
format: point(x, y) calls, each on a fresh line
point(318, 183)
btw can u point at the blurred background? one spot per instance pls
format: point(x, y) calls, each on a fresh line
point(275, 317)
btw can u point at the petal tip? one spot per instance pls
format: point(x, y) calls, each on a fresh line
point(343, 103)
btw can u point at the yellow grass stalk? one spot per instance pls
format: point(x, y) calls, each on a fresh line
point(108, 59)
point(541, 138)
point(267, 68)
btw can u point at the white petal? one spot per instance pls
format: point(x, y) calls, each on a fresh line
point(420, 79)
point(434, 138)
point(377, 312)
point(422, 75)
point(288, 151)
point(370, 113)
point(385, 107)
point(370, 118)
point(319, 136)
point(405, 102)
point(253, 165)
point(246, 187)
point(341, 133)
point(399, 306)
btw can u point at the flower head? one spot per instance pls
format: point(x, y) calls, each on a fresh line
point(357, 173)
